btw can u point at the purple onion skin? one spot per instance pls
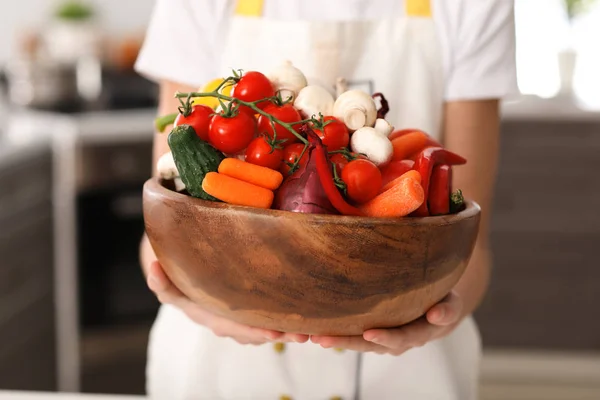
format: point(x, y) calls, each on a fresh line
point(302, 191)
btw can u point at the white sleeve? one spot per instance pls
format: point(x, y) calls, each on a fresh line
point(182, 40)
point(482, 50)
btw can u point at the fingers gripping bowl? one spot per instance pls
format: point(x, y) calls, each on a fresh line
point(307, 273)
point(306, 215)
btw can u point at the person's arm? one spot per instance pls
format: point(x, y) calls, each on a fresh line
point(472, 129)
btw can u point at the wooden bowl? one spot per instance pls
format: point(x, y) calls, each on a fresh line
point(307, 273)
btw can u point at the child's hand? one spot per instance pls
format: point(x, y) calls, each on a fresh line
point(167, 293)
point(439, 321)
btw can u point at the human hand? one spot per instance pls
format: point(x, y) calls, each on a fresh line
point(167, 293)
point(438, 322)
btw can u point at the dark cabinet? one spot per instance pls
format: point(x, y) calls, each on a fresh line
point(546, 233)
point(27, 326)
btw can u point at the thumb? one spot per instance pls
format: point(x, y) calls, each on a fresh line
point(161, 285)
point(446, 312)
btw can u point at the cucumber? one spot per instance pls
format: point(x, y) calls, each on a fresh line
point(194, 158)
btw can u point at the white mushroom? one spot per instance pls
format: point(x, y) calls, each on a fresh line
point(167, 170)
point(179, 185)
point(313, 100)
point(383, 127)
point(356, 108)
point(377, 147)
point(288, 80)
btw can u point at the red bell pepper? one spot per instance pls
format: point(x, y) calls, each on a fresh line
point(440, 189)
point(325, 171)
point(395, 169)
point(424, 163)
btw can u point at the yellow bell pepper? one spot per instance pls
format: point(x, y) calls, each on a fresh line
point(212, 102)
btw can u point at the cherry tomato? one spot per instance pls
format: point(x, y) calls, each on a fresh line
point(291, 153)
point(231, 134)
point(334, 135)
point(254, 86)
point(286, 113)
point(261, 152)
point(340, 160)
point(245, 110)
point(394, 170)
point(199, 119)
point(362, 179)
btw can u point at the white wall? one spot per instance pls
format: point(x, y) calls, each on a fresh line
point(16, 15)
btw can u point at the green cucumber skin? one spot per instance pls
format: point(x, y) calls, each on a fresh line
point(194, 158)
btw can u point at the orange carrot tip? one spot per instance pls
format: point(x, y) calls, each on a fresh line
point(251, 173)
point(399, 201)
point(234, 191)
point(412, 174)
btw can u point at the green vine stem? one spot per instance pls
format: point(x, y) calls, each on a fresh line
point(348, 154)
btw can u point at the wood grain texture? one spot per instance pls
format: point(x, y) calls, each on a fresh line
point(307, 273)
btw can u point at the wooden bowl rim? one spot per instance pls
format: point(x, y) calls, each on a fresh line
point(154, 186)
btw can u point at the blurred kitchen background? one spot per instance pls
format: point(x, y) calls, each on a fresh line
point(75, 148)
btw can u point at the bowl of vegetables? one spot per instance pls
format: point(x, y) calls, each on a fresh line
point(310, 214)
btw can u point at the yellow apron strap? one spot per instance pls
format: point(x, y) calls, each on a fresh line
point(418, 8)
point(249, 8)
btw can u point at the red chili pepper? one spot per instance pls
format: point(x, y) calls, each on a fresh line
point(424, 163)
point(324, 169)
point(440, 189)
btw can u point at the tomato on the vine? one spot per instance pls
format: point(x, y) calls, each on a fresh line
point(291, 154)
point(231, 134)
point(285, 113)
point(199, 118)
point(253, 86)
point(334, 134)
point(341, 160)
point(261, 151)
point(243, 109)
point(362, 179)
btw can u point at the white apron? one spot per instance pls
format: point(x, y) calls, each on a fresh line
point(401, 58)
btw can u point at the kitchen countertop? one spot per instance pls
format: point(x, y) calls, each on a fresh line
point(4, 395)
point(560, 108)
point(11, 152)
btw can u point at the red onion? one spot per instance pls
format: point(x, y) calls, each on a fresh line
point(302, 191)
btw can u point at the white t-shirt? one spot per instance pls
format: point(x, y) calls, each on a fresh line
point(477, 38)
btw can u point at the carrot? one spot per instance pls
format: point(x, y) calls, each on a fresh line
point(399, 201)
point(235, 191)
point(412, 174)
point(408, 144)
point(251, 173)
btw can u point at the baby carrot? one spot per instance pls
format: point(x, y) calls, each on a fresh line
point(235, 191)
point(251, 173)
point(399, 201)
point(412, 174)
point(407, 145)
